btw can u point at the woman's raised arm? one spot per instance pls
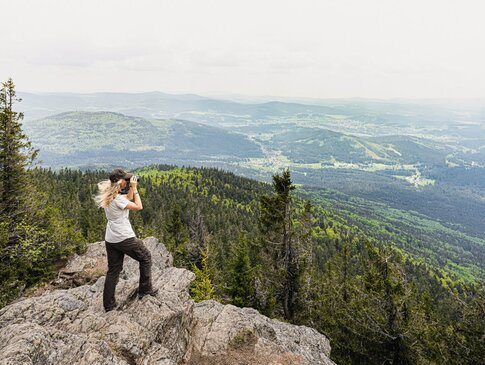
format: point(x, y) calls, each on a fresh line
point(137, 205)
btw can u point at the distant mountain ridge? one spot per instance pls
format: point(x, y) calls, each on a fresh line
point(98, 139)
point(153, 104)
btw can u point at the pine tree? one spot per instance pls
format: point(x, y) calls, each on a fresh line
point(466, 339)
point(371, 309)
point(16, 155)
point(33, 235)
point(240, 279)
point(176, 230)
point(202, 288)
point(283, 246)
point(198, 239)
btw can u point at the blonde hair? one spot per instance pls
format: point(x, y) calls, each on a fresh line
point(107, 192)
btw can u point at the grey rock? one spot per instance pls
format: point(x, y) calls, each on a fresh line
point(66, 324)
point(222, 329)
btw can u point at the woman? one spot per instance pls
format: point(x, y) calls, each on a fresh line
point(119, 237)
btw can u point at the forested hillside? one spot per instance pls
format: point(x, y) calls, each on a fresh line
point(452, 251)
point(309, 265)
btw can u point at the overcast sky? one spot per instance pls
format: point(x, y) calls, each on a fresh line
point(322, 49)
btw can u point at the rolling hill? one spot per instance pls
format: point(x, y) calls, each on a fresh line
point(101, 139)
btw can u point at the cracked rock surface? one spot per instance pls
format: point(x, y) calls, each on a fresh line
point(66, 323)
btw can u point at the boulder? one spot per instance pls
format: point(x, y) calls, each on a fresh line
point(65, 323)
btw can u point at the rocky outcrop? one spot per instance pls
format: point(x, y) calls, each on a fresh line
point(66, 323)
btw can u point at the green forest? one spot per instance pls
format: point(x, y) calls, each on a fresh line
point(267, 246)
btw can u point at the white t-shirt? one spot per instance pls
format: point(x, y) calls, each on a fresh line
point(119, 226)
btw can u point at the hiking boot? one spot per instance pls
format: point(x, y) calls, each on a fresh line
point(111, 308)
point(153, 293)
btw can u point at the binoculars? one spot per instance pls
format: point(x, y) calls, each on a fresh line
point(127, 186)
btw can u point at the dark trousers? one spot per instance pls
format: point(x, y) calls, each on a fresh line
point(134, 248)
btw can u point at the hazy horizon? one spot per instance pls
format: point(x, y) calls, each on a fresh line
point(251, 97)
point(280, 49)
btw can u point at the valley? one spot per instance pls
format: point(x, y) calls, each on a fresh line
point(417, 167)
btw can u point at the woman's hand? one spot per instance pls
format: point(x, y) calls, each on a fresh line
point(133, 182)
point(137, 205)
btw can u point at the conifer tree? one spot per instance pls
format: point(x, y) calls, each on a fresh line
point(175, 228)
point(202, 288)
point(33, 235)
point(371, 311)
point(16, 155)
point(466, 341)
point(240, 279)
point(198, 239)
point(282, 243)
